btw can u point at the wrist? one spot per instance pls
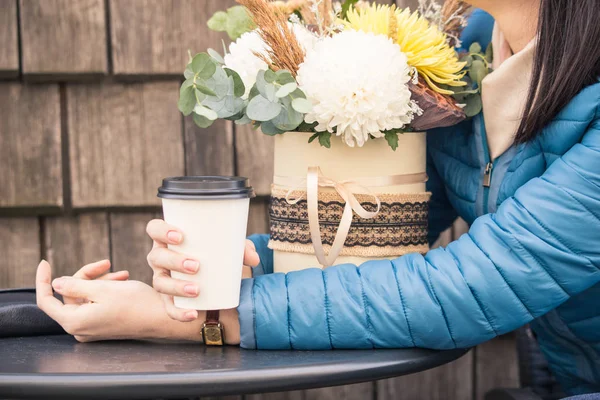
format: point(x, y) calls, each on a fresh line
point(167, 328)
point(231, 326)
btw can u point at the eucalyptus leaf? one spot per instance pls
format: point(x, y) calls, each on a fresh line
point(261, 83)
point(261, 109)
point(199, 96)
point(270, 91)
point(238, 84)
point(219, 83)
point(187, 100)
point(270, 76)
point(205, 112)
point(473, 106)
point(288, 119)
point(238, 22)
point(202, 121)
point(205, 90)
point(243, 121)
point(187, 83)
point(469, 61)
point(475, 48)
point(226, 107)
point(284, 76)
point(253, 92)
point(302, 105)
point(478, 71)
point(286, 89)
point(218, 22)
point(216, 56)
point(203, 65)
point(298, 94)
point(268, 128)
point(188, 73)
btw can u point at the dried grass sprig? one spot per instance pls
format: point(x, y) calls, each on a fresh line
point(454, 19)
point(290, 6)
point(318, 13)
point(284, 51)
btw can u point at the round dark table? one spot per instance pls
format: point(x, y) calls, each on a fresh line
point(60, 367)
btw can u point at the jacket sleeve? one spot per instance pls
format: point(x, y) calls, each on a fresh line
point(537, 250)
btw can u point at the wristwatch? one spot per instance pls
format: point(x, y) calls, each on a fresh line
point(212, 330)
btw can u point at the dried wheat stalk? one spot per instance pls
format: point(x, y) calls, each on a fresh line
point(284, 50)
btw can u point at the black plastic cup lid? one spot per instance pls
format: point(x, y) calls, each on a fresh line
point(206, 188)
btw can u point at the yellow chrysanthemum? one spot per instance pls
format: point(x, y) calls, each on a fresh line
point(424, 44)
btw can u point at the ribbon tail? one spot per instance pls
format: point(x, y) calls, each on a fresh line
point(340, 236)
point(312, 205)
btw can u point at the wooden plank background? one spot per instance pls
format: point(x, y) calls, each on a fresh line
point(88, 127)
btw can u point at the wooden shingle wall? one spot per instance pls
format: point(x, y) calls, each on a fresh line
point(88, 127)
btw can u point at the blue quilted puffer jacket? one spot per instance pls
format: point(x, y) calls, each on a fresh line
point(532, 255)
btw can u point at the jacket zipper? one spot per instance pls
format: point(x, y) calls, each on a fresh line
point(489, 166)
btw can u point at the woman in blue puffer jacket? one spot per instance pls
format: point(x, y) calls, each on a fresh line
point(525, 175)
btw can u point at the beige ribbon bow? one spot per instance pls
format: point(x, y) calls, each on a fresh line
point(347, 191)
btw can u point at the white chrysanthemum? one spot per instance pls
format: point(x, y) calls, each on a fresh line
point(306, 38)
point(241, 57)
point(357, 83)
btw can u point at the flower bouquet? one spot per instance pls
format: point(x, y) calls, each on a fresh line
point(347, 90)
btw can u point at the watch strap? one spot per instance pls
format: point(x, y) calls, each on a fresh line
point(212, 330)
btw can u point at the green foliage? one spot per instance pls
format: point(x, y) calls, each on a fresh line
point(235, 21)
point(391, 137)
point(346, 6)
point(324, 139)
point(262, 109)
point(302, 105)
point(211, 91)
point(478, 66)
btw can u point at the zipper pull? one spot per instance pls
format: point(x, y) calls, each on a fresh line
point(487, 175)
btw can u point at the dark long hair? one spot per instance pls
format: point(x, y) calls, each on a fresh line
point(567, 59)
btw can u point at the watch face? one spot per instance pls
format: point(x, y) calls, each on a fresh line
point(213, 335)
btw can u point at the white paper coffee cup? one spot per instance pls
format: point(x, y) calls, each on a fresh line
point(212, 214)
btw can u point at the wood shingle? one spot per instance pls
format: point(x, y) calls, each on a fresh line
point(30, 146)
point(63, 38)
point(70, 242)
point(20, 249)
point(254, 152)
point(9, 48)
point(123, 139)
point(209, 151)
point(152, 37)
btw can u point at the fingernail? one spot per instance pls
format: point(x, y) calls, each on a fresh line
point(57, 283)
point(191, 289)
point(191, 314)
point(191, 265)
point(174, 236)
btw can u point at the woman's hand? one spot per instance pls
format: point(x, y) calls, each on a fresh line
point(112, 307)
point(163, 261)
point(93, 271)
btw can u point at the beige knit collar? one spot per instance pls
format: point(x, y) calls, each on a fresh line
point(504, 93)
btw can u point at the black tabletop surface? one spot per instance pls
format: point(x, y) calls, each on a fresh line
point(59, 367)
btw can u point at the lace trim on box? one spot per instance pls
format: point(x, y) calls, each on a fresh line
point(399, 228)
